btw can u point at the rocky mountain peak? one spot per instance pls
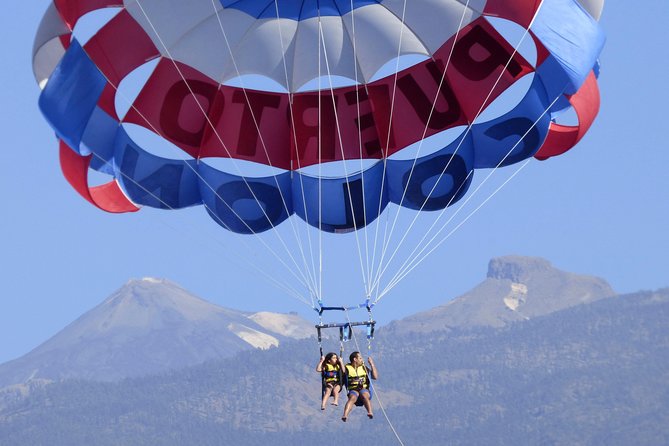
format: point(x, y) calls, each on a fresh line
point(516, 289)
point(517, 268)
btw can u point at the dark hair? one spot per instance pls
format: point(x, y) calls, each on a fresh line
point(352, 356)
point(328, 357)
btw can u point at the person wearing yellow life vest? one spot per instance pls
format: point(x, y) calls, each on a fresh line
point(356, 378)
point(330, 367)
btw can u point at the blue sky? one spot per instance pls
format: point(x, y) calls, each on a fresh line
point(602, 209)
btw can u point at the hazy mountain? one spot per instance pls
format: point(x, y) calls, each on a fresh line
point(516, 288)
point(591, 374)
point(150, 326)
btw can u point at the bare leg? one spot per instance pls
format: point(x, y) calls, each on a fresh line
point(335, 394)
point(326, 395)
point(352, 398)
point(367, 403)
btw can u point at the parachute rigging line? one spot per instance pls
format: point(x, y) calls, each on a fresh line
point(362, 170)
point(272, 280)
point(386, 240)
point(294, 132)
point(320, 169)
point(294, 293)
point(462, 139)
point(471, 195)
point(278, 235)
point(390, 119)
point(298, 238)
point(474, 193)
point(417, 262)
point(387, 237)
point(341, 148)
point(198, 175)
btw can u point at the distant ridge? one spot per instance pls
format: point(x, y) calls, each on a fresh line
point(516, 288)
point(150, 326)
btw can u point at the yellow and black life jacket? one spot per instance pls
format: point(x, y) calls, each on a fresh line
point(331, 373)
point(356, 378)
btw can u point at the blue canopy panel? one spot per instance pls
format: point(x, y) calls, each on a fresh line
point(70, 96)
point(294, 9)
point(529, 120)
point(153, 181)
point(98, 138)
point(245, 205)
point(347, 203)
point(436, 181)
point(574, 40)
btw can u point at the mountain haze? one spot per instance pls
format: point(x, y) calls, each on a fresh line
point(150, 326)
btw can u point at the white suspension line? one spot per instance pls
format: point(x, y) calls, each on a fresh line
point(320, 169)
point(406, 233)
point(282, 286)
point(469, 127)
point(375, 283)
point(278, 235)
point(362, 170)
point(297, 158)
point(420, 146)
point(418, 262)
point(384, 149)
point(262, 141)
point(473, 194)
point(341, 148)
point(122, 96)
point(287, 288)
point(260, 136)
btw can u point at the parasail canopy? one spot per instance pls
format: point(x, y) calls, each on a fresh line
point(337, 91)
point(330, 110)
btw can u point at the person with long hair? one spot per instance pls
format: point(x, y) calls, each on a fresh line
point(330, 367)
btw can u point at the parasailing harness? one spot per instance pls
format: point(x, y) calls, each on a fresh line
point(328, 374)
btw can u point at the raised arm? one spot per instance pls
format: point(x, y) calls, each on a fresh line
point(319, 367)
point(372, 368)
